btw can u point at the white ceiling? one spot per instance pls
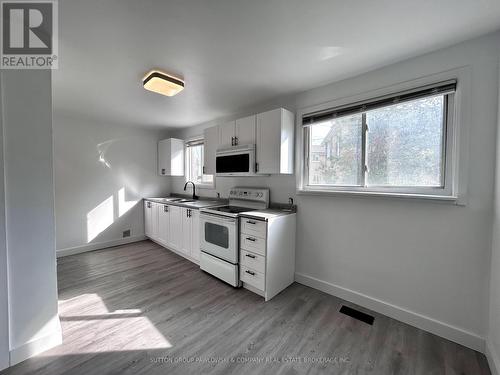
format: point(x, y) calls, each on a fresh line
point(234, 54)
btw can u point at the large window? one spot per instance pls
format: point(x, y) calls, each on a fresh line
point(194, 165)
point(393, 144)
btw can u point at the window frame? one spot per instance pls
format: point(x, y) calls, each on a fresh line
point(455, 151)
point(187, 157)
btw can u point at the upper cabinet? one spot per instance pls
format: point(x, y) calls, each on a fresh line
point(274, 142)
point(226, 134)
point(271, 132)
point(244, 130)
point(211, 143)
point(239, 132)
point(171, 157)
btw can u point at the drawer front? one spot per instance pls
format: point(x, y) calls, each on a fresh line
point(252, 277)
point(253, 261)
point(253, 244)
point(253, 227)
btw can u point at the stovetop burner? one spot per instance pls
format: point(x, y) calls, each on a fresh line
point(232, 209)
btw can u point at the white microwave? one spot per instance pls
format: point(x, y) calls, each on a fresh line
point(235, 161)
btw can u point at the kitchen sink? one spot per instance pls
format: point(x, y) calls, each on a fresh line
point(168, 199)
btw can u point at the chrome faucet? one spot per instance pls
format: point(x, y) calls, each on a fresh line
point(194, 189)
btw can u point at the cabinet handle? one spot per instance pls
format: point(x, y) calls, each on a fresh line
point(236, 141)
point(165, 208)
point(189, 213)
point(232, 141)
point(250, 272)
point(256, 167)
point(251, 239)
point(251, 222)
point(250, 256)
point(163, 171)
point(203, 169)
point(149, 205)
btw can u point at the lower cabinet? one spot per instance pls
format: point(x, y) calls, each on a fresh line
point(190, 233)
point(175, 239)
point(151, 219)
point(267, 253)
point(163, 224)
point(173, 227)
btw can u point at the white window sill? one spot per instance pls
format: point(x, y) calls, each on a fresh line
point(441, 198)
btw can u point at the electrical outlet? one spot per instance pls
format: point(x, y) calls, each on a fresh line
point(126, 233)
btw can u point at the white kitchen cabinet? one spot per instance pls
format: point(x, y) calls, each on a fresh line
point(239, 132)
point(147, 218)
point(151, 219)
point(175, 235)
point(190, 236)
point(174, 227)
point(275, 142)
point(195, 235)
point(171, 157)
point(163, 224)
point(245, 130)
point(226, 134)
point(272, 132)
point(211, 142)
point(267, 252)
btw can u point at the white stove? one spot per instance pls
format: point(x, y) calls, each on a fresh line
point(219, 232)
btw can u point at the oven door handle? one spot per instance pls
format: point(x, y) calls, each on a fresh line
point(218, 217)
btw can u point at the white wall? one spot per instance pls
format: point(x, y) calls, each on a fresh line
point(493, 350)
point(422, 262)
point(29, 212)
point(428, 258)
point(93, 162)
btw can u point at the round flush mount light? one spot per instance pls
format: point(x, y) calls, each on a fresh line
point(162, 83)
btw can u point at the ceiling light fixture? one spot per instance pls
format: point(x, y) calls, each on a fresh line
point(162, 83)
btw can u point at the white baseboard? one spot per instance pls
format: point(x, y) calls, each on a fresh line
point(98, 246)
point(493, 358)
point(448, 331)
point(36, 346)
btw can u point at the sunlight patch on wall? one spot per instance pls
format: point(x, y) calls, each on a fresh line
point(99, 218)
point(123, 205)
point(102, 148)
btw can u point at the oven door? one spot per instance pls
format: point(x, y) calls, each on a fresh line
point(237, 161)
point(219, 236)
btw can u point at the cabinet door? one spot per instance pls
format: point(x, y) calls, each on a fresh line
point(163, 157)
point(147, 218)
point(195, 235)
point(175, 227)
point(275, 142)
point(211, 143)
point(171, 157)
point(226, 134)
point(267, 149)
point(154, 220)
point(245, 130)
point(163, 224)
point(186, 232)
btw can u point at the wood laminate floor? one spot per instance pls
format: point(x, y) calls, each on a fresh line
point(141, 309)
